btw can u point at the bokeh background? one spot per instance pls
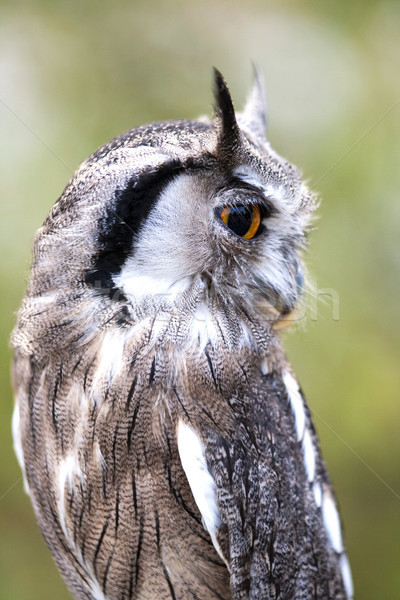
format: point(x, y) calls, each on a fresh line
point(74, 74)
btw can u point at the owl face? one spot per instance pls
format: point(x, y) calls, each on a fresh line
point(185, 217)
point(230, 231)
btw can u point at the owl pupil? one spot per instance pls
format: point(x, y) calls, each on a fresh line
point(240, 219)
point(243, 220)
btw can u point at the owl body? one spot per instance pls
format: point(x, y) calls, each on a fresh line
point(166, 446)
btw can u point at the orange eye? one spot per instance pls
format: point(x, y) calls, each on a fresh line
point(243, 220)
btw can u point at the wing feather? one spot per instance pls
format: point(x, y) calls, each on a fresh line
point(201, 482)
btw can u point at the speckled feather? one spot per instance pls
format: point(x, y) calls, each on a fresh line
point(145, 317)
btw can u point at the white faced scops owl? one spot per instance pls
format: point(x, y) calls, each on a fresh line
point(165, 443)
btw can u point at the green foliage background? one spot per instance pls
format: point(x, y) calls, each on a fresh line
point(74, 74)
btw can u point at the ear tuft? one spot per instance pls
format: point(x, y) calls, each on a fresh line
point(254, 116)
point(229, 134)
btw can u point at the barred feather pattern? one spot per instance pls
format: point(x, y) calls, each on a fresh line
point(115, 505)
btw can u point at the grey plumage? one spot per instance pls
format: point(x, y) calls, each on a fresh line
point(166, 447)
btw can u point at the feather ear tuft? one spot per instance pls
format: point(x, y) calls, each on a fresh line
point(254, 116)
point(229, 134)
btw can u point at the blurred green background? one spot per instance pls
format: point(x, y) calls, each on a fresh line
point(74, 74)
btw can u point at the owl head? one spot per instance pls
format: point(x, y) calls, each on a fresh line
point(196, 224)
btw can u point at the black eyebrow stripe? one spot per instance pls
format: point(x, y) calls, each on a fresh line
point(123, 220)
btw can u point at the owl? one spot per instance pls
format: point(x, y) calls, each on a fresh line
point(165, 443)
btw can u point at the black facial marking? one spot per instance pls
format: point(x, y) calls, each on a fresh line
point(123, 221)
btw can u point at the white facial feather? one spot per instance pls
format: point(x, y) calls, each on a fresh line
point(166, 255)
point(271, 192)
point(137, 284)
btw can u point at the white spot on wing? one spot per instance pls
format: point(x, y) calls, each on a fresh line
point(68, 467)
point(317, 493)
point(96, 590)
point(332, 522)
point(264, 367)
point(202, 484)
point(322, 499)
point(296, 403)
point(309, 456)
point(16, 432)
point(346, 576)
point(191, 452)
